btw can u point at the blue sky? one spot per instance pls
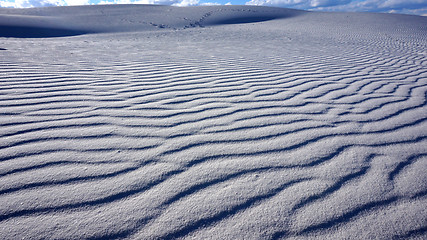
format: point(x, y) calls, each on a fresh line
point(417, 7)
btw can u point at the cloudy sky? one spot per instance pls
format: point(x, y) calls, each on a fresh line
point(418, 7)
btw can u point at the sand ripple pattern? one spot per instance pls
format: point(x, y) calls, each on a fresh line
point(211, 141)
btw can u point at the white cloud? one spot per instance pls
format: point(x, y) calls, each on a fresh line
point(127, 2)
point(7, 4)
point(76, 2)
point(38, 3)
point(287, 3)
point(180, 3)
point(49, 3)
point(42, 3)
point(185, 3)
point(398, 6)
point(399, 3)
point(299, 3)
point(210, 4)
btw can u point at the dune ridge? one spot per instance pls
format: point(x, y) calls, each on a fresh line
point(265, 124)
point(71, 21)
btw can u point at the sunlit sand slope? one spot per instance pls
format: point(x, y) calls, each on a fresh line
point(225, 122)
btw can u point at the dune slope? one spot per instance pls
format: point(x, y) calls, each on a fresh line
point(69, 21)
point(224, 122)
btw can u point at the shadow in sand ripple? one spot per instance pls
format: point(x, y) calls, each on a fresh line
point(99, 201)
point(204, 222)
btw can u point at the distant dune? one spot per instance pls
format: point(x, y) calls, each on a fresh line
point(69, 21)
point(220, 122)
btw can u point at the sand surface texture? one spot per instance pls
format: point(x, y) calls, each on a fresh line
point(224, 122)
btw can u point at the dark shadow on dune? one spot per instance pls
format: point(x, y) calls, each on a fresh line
point(412, 234)
point(88, 203)
point(122, 234)
point(239, 20)
point(230, 211)
point(37, 32)
point(404, 164)
point(3, 49)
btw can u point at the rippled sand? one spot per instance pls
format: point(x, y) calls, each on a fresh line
point(225, 122)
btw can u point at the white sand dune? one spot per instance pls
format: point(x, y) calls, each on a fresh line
point(224, 122)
